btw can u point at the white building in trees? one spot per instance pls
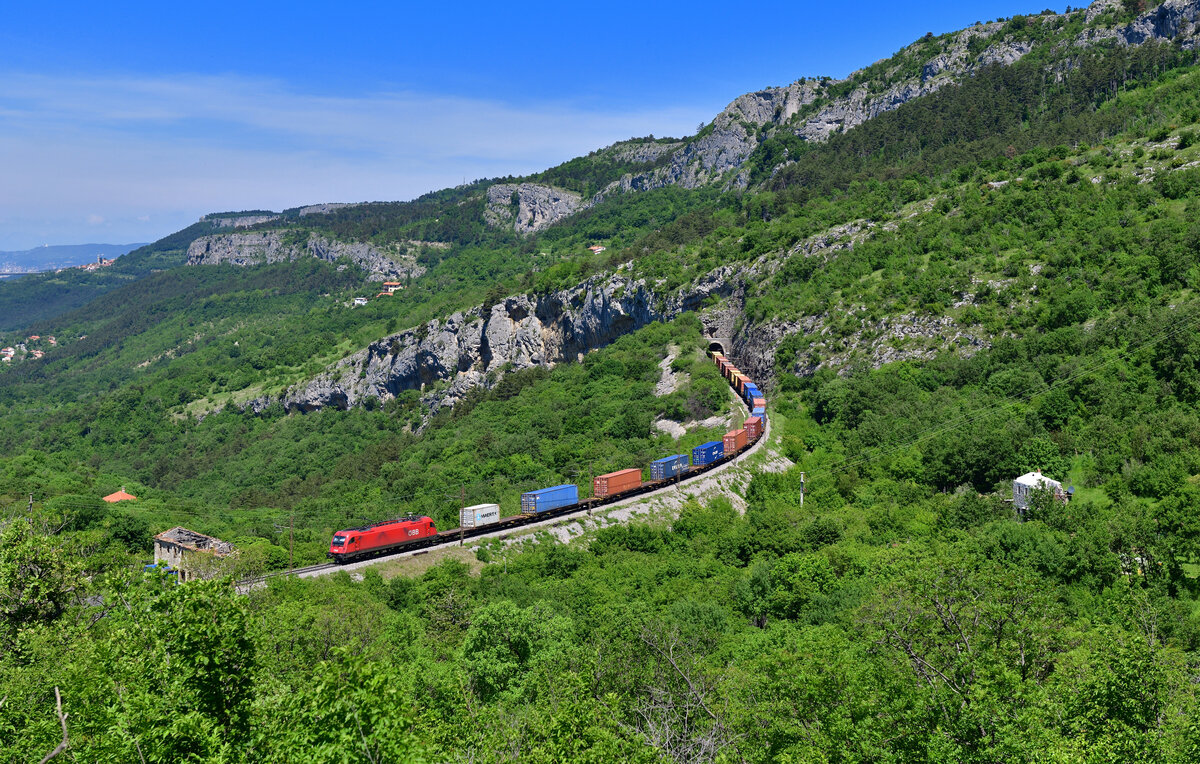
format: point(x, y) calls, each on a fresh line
point(1024, 486)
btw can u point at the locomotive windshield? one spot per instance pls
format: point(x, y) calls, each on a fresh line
point(339, 540)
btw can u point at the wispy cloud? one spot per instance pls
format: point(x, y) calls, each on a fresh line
point(128, 148)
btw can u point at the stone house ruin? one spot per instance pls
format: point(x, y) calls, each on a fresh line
point(193, 554)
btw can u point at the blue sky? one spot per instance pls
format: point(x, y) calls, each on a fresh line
point(127, 121)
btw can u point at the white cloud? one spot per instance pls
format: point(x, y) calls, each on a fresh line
point(95, 219)
point(127, 149)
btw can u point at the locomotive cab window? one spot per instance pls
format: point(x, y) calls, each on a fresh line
point(339, 540)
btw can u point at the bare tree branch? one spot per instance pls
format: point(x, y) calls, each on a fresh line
point(366, 745)
point(62, 718)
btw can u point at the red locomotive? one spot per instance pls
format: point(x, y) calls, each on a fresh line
point(388, 536)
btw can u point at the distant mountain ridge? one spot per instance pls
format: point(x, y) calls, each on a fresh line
point(54, 256)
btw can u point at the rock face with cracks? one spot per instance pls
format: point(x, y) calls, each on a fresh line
point(256, 248)
point(472, 348)
point(734, 134)
point(528, 207)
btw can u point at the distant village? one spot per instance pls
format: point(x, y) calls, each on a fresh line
point(9, 269)
point(34, 346)
point(101, 262)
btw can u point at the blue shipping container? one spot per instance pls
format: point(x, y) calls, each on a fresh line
point(760, 412)
point(709, 452)
point(536, 502)
point(668, 466)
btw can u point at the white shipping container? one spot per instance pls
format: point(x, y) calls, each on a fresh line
point(480, 514)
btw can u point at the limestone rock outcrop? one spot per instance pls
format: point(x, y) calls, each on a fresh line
point(325, 209)
point(1174, 19)
point(472, 348)
point(239, 221)
point(536, 206)
point(737, 130)
point(255, 248)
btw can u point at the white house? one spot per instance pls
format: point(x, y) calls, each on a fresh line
point(1024, 486)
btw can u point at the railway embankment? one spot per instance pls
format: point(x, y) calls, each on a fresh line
point(728, 480)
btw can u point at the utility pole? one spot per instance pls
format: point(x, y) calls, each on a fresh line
point(462, 504)
point(291, 541)
point(801, 490)
point(29, 509)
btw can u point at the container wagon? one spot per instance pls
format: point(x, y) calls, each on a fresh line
point(735, 440)
point(754, 428)
point(758, 403)
point(760, 412)
point(480, 514)
point(668, 467)
point(537, 502)
point(616, 482)
point(707, 453)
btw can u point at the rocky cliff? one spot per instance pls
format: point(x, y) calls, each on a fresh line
point(325, 209)
point(1174, 19)
point(472, 348)
point(808, 108)
point(239, 221)
point(528, 207)
point(278, 246)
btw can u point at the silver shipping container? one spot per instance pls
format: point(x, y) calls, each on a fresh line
point(480, 514)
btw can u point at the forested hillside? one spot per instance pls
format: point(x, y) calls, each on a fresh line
point(995, 277)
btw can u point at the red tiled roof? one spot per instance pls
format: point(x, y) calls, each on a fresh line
point(120, 495)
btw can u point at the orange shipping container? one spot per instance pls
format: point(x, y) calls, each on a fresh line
point(734, 440)
point(753, 428)
point(759, 402)
point(616, 482)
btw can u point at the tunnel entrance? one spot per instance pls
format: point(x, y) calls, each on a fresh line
point(716, 347)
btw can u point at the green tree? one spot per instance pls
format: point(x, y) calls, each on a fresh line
point(38, 581)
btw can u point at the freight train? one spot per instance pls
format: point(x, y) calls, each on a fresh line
point(413, 532)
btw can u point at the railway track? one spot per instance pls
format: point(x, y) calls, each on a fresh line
point(292, 572)
point(513, 522)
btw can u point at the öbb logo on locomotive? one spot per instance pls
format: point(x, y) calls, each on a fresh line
point(413, 531)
